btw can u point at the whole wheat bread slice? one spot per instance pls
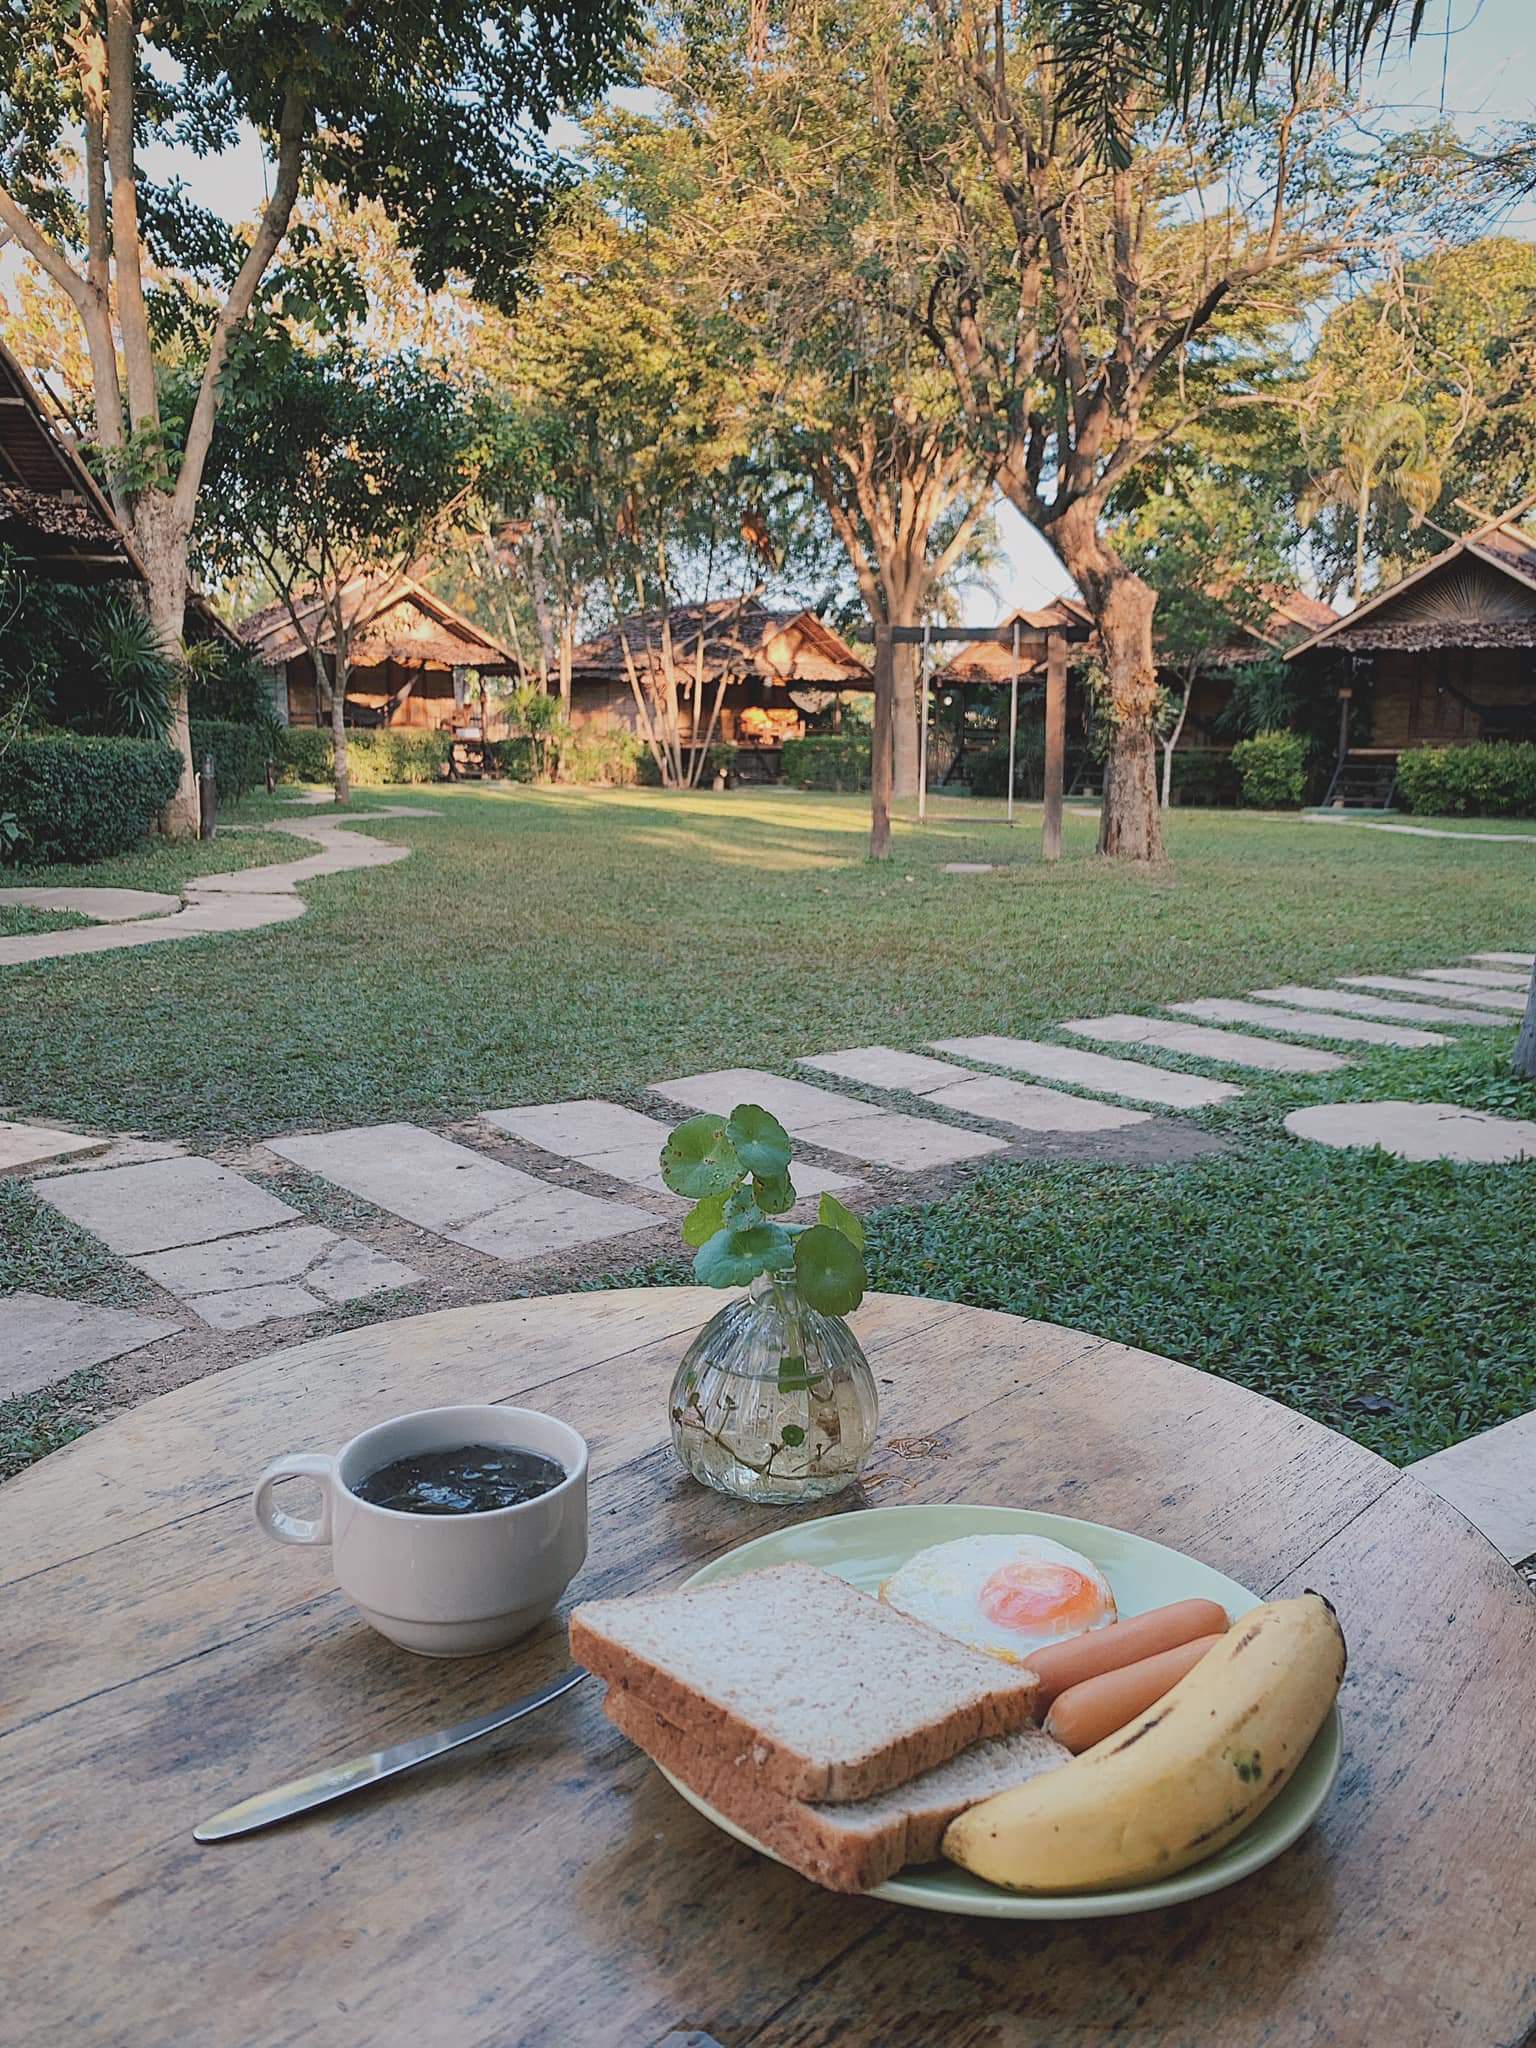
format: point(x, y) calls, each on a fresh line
point(850, 1848)
point(825, 1692)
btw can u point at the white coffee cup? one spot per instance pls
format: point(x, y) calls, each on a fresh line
point(444, 1585)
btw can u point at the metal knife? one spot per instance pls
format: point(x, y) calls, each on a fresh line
point(340, 1781)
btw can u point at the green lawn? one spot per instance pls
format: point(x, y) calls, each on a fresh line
point(546, 944)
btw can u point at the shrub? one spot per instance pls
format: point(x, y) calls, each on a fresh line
point(597, 753)
point(828, 761)
point(1202, 775)
point(721, 759)
point(987, 771)
point(74, 798)
point(1493, 779)
point(229, 682)
point(239, 753)
point(302, 753)
point(1272, 768)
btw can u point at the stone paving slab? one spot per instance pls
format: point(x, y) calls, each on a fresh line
point(458, 1193)
point(882, 1066)
point(833, 1123)
point(1093, 1070)
point(43, 1338)
point(1198, 1041)
point(1416, 831)
point(163, 1204)
point(106, 906)
point(1024, 1107)
point(1525, 960)
point(1355, 1005)
point(234, 1283)
point(23, 1145)
point(244, 1308)
point(1418, 1130)
point(1491, 1479)
point(623, 1143)
point(124, 1152)
point(1478, 977)
point(969, 867)
point(1307, 1023)
point(1437, 991)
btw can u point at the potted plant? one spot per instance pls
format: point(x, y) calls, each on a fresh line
point(774, 1400)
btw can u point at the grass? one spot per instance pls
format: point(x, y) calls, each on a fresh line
point(541, 945)
point(21, 920)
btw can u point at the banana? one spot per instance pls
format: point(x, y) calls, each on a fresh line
point(1180, 1782)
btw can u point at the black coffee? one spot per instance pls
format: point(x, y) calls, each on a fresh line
point(470, 1479)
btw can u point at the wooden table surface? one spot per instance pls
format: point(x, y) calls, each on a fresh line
point(159, 1658)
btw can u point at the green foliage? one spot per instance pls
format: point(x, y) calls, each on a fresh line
point(1493, 779)
point(720, 760)
point(827, 761)
point(1272, 769)
point(1212, 553)
point(986, 769)
point(587, 754)
point(302, 753)
point(1202, 775)
point(79, 655)
point(80, 799)
point(240, 754)
point(229, 682)
point(375, 755)
point(735, 1171)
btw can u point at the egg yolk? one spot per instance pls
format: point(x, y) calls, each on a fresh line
point(1028, 1595)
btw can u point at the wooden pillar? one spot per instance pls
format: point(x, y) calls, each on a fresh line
point(1055, 743)
point(880, 762)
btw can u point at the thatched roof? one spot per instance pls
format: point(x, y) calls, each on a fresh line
point(1479, 592)
point(741, 637)
point(991, 661)
point(390, 617)
point(53, 514)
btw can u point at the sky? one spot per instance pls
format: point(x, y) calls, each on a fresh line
point(1475, 61)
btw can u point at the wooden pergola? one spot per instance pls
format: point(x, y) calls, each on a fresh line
point(1035, 640)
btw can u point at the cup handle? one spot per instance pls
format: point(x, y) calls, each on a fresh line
point(292, 1528)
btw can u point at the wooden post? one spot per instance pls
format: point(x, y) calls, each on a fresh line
point(1013, 717)
point(880, 766)
point(1344, 697)
point(1055, 743)
point(207, 800)
point(922, 735)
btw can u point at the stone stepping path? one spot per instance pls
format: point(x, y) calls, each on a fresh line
point(833, 1123)
point(1198, 1041)
point(1025, 1107)
point(233, 1252)
point(1416, 831)
point(458, 1193)
point(44, 1338)
point(623, 1143)
point(1438, 991)
point(1478, 977)
point(1353, 1005)
point(1093, 1070)
point(1306, 1023)
point(1525, 960)
point(23, 1145)
point(106, 906)
point(881, 1066)
point(1418, 1130)
point(1491, 1479)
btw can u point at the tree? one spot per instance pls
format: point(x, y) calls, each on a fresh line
point(375, 455)
point(431, 110)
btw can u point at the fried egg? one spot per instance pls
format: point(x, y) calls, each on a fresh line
point(1005, 1594)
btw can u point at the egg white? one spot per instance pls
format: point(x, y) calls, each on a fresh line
point(942, 1586)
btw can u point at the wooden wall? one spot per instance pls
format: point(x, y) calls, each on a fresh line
point(1415, 700)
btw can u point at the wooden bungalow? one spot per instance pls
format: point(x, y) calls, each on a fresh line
point(409, 653)
point(1444, 657)
point(772, 670)
point(54, 517)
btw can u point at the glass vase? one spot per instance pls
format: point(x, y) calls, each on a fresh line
point(774, 1402)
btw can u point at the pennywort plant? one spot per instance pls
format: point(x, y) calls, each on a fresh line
point(736, 1172)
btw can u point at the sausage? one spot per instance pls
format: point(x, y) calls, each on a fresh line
point(1059, 1665)
point(1084, 1714)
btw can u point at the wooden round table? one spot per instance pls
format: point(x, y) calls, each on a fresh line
point(159, 1658)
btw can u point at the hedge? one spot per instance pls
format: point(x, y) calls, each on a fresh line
point(721, 760)
point(75, 798)
point(987, 771)
point(375, 755)
point(1202, 775)
point(585, 754)
point(828, 761)
point(1272, 767)
point(240, 753)
point(1493, 779)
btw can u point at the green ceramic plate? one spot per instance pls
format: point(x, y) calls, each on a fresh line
point(867, 1546)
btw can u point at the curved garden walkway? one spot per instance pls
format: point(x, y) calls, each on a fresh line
point(240, 902)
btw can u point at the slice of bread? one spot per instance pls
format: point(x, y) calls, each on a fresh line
point(848, 1848)
point(828, 1694)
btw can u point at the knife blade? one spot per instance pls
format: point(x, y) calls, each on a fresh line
point(340, 1781)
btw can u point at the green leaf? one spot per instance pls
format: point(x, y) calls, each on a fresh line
point(733, 1257)
point(760, 1140)
point(830, 1271)
point(699, 1159)
point(775, 1193)
point(831, 1212)
point(793, 1377)
point(704, 1219)
point(741, 1209)
point(793, 1435)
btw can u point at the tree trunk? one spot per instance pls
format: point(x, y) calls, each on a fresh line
point(1523, 1059)
point(343, 777)
point(162, 547)
point(1129, 827)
